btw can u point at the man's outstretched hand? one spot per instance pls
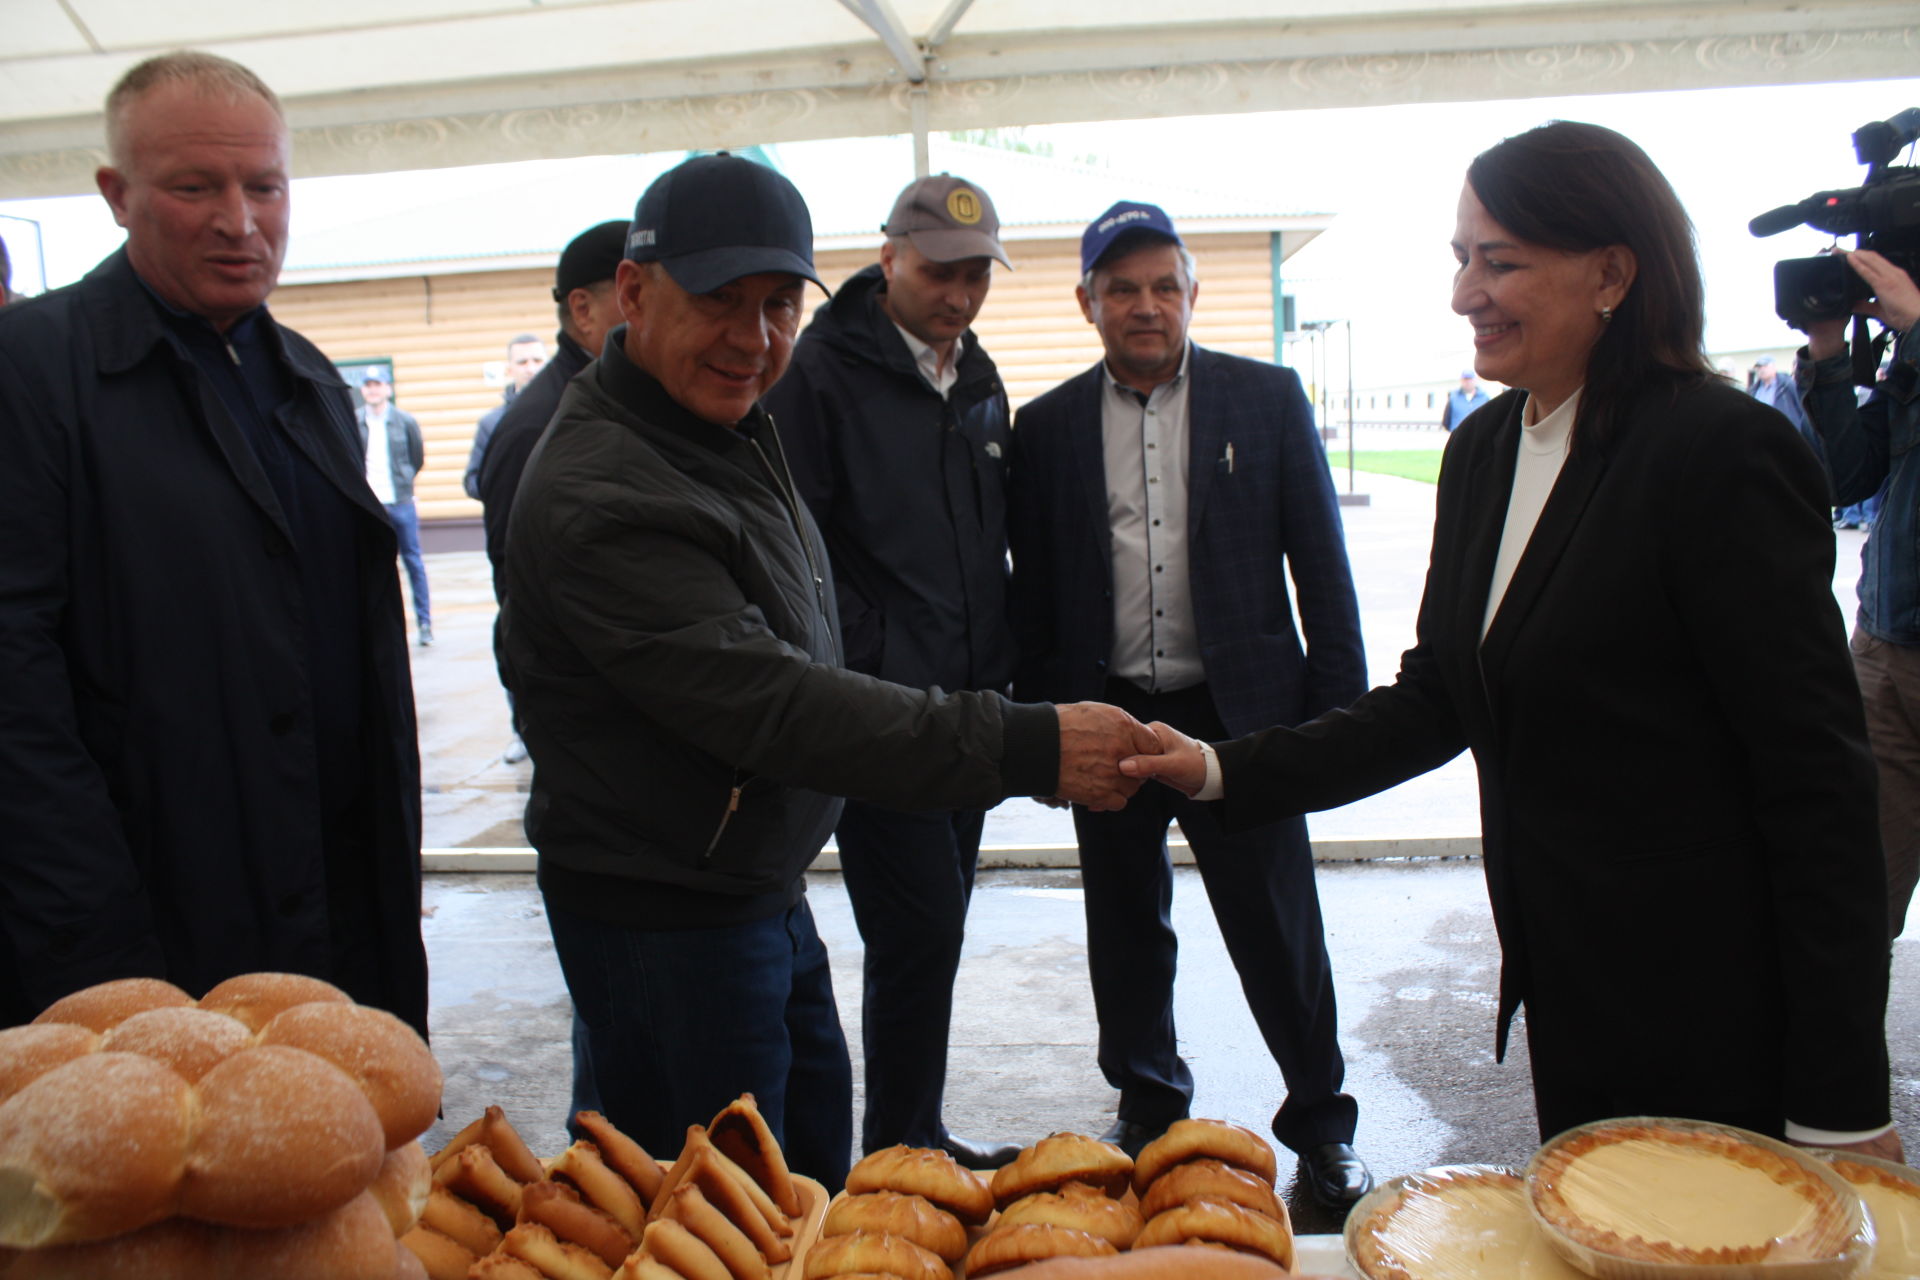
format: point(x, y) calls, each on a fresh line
point(1179, 763)
point(1094, 738)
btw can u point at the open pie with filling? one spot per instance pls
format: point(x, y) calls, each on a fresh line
point(1692, 1194)
point(1894, 1201)
point(1461, 1223)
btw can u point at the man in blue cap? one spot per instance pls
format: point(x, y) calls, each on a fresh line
point(1156, 504)
point(1463, 400)
point(669, 634)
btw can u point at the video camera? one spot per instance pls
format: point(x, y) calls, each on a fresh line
point(1883, 211)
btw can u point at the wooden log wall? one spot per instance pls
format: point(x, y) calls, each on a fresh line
point(440, 331)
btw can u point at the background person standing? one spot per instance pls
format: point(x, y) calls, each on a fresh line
point(895, 424)
point(1157, 505)
point(1462, 400)
point(390, 442)
point(526, 356)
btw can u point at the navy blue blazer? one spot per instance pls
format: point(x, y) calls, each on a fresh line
point(1270, 504)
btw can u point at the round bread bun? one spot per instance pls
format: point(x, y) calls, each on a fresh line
point(407, 1264)
point(383, 1055)
point(29, 1052)
point(1217, 1222)
point(1054, 1161)
point(402, 1186)
point(1211, 1180)
point(1187, 1140)
point(1005, 1248)
point(892, 1213)
point(257, 998)
point(1080, 1207)
point(284, 1136)
point(175, 1249)
point(1175, 1262)
point(94, 1148)
point(191, 1041)
point(108, 1004)
point(922, 1171)
point(873, 1251)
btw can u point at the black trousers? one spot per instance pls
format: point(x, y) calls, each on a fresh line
point(909, 878)
point(1260, 884)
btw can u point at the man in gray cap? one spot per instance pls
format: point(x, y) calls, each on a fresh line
point(668, 635)
point(895, 423)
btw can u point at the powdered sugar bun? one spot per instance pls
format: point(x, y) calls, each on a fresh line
point(94, 1148)
point(191, 1041)
point(382, 1054)
point(257, 998)
point(108, 1004)
point(29, 1052)
point(284, 1136)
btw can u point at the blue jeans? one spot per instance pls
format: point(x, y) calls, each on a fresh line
point(681, 1022)
point(406, 523)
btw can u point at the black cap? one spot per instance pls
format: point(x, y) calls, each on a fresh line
point(592, 256)
point(716, 218)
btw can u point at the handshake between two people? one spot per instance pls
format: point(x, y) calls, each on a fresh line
point(1106, 755)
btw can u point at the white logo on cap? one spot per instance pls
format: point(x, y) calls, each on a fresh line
point(639, 238)
point(1131, 215)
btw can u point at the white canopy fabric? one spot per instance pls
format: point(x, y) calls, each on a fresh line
point(380, 85)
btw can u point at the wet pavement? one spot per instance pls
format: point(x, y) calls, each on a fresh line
point(1412, 943)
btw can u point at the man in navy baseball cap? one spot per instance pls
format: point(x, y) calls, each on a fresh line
point(1127, 223)
point(716, 218)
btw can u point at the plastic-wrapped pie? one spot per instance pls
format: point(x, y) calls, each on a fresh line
point(1464, 1222)
point(1650, 1198)
point(1892, 1196)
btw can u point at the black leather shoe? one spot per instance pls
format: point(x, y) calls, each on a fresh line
point(1334, 1175)
point(980, 1155)
point(1130, 1137)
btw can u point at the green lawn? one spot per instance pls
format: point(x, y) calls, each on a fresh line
point(1411, 464)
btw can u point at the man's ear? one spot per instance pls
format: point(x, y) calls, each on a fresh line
point(113, 185)
point(1085, 300)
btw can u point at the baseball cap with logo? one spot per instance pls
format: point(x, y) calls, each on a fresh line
point(716, 218)
point(1126, 220)
point(947, 218)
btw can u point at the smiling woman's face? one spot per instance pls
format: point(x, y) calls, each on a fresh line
point(1535, 311)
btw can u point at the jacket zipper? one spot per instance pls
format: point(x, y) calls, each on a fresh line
point(792, 499)
point(733, 807)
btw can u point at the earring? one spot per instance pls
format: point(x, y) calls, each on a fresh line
point(1606, 314)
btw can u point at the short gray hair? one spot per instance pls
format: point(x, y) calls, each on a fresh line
point(1186, 261)
point(208, 72)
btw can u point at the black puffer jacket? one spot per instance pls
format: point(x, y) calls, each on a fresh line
point(908, 489)
point(666, 638)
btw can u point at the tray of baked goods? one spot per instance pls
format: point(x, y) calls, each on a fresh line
point(1644, 1198)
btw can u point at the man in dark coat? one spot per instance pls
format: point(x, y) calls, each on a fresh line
point(1157, 504)
point(895, 423)
point(207, 745)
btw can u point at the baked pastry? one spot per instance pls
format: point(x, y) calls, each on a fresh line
point(29, 1052)
point(551, 1256)
point(893, 1213)
point(504, 1266)
point(602, 1188)
point(256, 998)
point(1451, 1222)
point(407, 1264)
point(459, 1221)
point(741, 1132)
point(690, 1209)
point(730, 1190)
point(282, 1136)
point(493, 1131)
point(476, 1178)
point(442, 1256)
point(1217, 1222)
point(106, 1005)
point(1080, 1207)
point(94, 1148)
point(1169, 1262)
point(1687, 1193)
point(675, 1247)
point(387, 1059)
point(1054, 1161)
point(1211, 1180)
point(872, 1251)
point(622, 1154)
point(557, 1207)
point(641, 1265)
point(1191, 1139)
point(1005, 1248)
point(922, 1171)
point(402, 1186)
point(1892, 1196)
point(191, 1041)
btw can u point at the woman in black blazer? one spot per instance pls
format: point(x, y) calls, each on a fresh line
point(1629, 620)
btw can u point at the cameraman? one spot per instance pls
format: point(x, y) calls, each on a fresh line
point(1867, 446)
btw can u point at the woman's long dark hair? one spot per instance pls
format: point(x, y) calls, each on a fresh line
point(1578, 187)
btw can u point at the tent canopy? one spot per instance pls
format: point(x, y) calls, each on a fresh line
point(380, 85)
